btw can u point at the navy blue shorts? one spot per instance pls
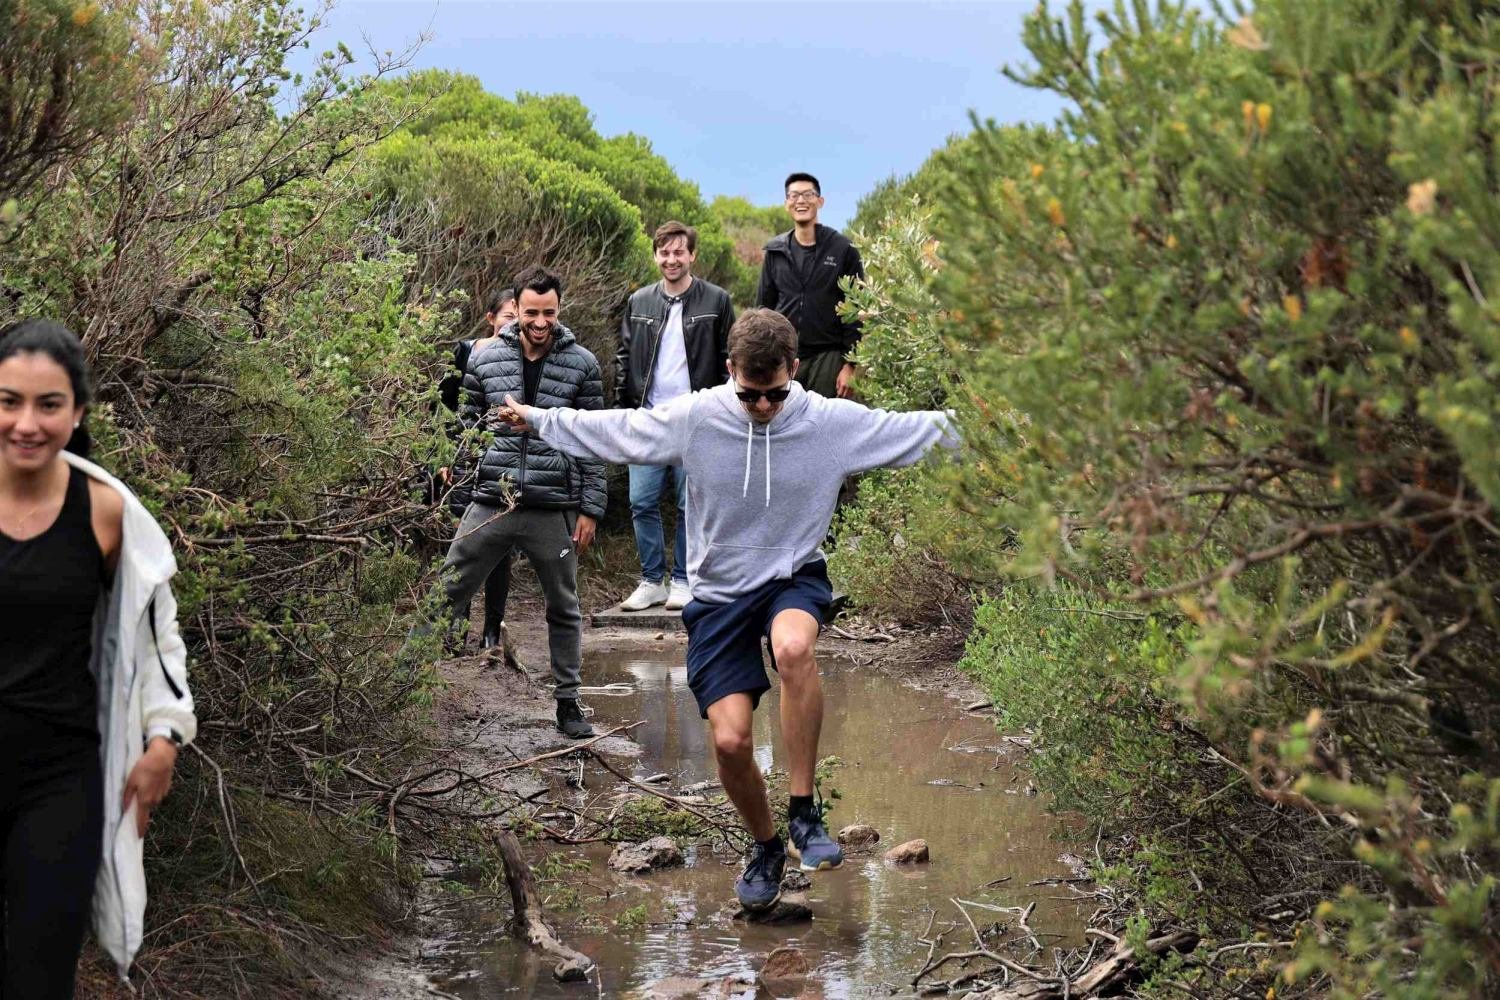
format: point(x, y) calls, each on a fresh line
point(724, 640)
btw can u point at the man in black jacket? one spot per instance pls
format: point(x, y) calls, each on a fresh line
point(799, 278)
point(527, 495)
point(674, 339)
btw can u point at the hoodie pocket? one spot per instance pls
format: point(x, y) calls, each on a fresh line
point(739, 565)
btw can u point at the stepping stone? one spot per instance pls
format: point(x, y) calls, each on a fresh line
point(791, 908)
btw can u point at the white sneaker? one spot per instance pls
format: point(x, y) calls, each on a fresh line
point(679, 596)
point(645, 595)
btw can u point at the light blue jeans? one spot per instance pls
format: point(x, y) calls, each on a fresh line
point(647, 484)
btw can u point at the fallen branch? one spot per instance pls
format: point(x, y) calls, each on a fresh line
point(529, 920)
point(1104, 977)
point(844, 633)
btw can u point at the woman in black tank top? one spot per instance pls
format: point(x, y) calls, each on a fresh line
point(49, 585)
point(60, 535)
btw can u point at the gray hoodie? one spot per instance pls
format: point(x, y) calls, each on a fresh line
point(751, 520)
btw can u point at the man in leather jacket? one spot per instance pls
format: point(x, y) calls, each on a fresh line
point(673, 340)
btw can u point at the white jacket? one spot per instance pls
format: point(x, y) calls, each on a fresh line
point(140, 663)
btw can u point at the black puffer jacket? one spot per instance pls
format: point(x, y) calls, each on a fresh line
point(536, 474)
point(707, 315)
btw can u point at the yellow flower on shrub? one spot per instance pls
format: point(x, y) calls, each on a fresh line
point(1055, 212)
point(1421, 197)
point(84, 16)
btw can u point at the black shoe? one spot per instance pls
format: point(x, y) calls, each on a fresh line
point(759, 886)
point(490, 637)
point(570, 720)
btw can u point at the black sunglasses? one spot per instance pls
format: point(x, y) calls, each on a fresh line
point(752, 396)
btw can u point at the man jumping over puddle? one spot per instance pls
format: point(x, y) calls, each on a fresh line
point(754, 563)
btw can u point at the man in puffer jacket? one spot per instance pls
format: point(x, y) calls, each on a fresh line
point(558, 500)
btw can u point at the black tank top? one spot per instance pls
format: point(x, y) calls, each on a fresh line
point(49, 587)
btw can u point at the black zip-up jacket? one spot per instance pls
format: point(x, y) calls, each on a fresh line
point(707, 315)
point(537, 474)
point(811, 301)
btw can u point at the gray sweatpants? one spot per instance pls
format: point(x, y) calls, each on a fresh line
point(486, 537)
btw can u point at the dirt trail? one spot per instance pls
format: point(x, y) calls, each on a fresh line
point(498, 715)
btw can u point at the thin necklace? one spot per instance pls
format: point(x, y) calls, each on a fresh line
point(29, 515)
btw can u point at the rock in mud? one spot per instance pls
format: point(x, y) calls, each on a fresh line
point(909, 853)
point(658, 852)
point(572, 971)
point(795, 880)
point(784, 970)
point(687, 988)
point(858, 835)
point(791, 908)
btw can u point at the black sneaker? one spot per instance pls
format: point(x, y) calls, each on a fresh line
point(490, 637)
point(811, 844)
point(759, 886)
point(570, 720)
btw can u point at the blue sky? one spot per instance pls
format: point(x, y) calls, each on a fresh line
point(736, 95)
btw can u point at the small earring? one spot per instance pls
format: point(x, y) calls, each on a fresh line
point(76, 424)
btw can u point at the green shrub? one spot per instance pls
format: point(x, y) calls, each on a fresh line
point(1086, 679)
point(1225, 354)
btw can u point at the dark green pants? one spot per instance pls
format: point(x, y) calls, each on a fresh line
point(820, 373)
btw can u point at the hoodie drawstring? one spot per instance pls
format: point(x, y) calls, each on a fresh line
point(749, 448)
point(768, 465)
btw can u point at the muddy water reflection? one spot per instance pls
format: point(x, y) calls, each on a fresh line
point(899, 775)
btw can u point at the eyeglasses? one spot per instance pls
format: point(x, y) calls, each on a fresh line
point(752, 396)
point(802, 196)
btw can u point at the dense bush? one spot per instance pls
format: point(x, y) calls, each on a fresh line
point(264, 362)
point(66, 79)
point(748, 228)
point(556, 133)
point(473, 210)
point(1227, 355)
point(893, 552)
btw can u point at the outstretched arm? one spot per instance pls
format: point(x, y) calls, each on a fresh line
point(875, 439)
point(625, 437)
point(595, 490)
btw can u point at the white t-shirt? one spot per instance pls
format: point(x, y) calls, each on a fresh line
point(671, 377)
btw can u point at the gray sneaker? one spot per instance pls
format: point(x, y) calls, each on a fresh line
point(812, 846)
point(759, 886)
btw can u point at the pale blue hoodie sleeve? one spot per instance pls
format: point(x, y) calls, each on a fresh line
point(877, 439)
point(625, 437)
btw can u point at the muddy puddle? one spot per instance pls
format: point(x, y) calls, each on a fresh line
point(914, 765)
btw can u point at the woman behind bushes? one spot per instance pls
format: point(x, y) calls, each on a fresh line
point(93, 679)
